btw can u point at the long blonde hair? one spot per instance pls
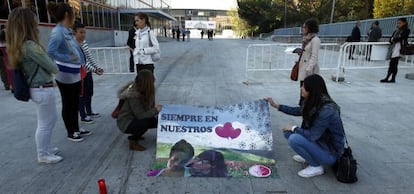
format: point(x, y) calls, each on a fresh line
point(21, 26)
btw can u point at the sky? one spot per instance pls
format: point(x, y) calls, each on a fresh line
point(204, 4)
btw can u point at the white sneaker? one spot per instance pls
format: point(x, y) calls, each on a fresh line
point(311, 171)
point(49, 159)
point(298, 158)
point(54, 150)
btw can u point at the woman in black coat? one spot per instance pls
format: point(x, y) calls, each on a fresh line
point(399, 39)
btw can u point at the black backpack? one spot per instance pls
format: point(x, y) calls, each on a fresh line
point(345, 168)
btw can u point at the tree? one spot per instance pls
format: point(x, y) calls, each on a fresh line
point(240, 26)
point(387, 8)
point(260, 14)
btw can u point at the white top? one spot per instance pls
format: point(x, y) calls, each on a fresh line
point(143, 50)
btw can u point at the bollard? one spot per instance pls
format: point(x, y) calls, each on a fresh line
point(102, 186)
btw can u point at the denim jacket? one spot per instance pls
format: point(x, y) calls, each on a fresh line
point(326, 129)
point(64, 49)
point(33, 56)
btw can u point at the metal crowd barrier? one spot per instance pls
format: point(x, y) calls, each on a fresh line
point(279, 57)
point(332, 56)
point(366, 55)
point(114, 60)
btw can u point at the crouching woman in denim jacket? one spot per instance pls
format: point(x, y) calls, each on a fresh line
point(320, 139)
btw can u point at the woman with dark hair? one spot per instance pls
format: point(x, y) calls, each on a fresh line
point(138, 113)
point(26, 52)
point(67, 53)
point(320, 139)
point(399, 39)
point(146, 43)
point(311, 43)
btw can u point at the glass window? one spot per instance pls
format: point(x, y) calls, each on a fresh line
point(96, 15)
point(4, 9)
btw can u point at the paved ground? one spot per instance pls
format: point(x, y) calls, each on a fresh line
point(378, 121)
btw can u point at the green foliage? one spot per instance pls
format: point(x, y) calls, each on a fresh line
point(387, 8)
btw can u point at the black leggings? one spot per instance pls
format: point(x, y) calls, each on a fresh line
point(393, 68)
point(70, 105)
point(139, 126)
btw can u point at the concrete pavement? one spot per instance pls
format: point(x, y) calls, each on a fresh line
point(377, 117)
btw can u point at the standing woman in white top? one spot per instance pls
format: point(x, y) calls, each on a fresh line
point(146, 43)
point(308, 64)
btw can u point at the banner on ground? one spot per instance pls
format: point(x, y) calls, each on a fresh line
point(230, 141)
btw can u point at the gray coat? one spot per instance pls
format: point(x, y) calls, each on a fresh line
point(375, 34)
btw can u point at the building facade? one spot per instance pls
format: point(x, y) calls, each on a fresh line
point(103, 18)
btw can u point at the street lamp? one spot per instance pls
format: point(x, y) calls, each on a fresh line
point(285, 13)
point(332, 10)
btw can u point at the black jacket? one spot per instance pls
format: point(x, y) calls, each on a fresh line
point(356, 34)
point(131, 40)
point(375, 34)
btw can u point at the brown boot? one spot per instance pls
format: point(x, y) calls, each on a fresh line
point(134, 145)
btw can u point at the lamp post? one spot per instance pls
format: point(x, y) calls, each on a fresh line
point(332, 10)
point(285, 13)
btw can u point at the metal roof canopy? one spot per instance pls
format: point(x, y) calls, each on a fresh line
point(151, 12)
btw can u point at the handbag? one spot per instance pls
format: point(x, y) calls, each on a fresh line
point(156, 56)
point(345, 168)
point(407, 49)
point(117, 110)
point(294, 74)
point(20, 86)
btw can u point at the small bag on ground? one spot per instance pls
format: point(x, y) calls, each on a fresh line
point(345, 168)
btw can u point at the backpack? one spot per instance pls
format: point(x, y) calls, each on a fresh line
point(345, 168)
point(20, 86)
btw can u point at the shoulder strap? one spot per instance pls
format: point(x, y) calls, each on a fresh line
point(31, 80)
point(149, 38)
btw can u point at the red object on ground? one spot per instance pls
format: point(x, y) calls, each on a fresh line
point(102, 186)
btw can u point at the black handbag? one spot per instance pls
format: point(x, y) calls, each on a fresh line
point(407, 49)
point(345, 168)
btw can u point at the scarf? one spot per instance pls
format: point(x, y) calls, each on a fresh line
point(306, 39)
point(307, 123)
point(139, 31)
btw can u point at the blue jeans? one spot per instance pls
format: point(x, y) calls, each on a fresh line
point(309, 150)
point(85, 101)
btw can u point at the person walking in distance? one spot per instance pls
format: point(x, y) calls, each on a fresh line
point(355, 37)
point(26, 52)
point(146, 43)
point(374, 35)
point(399, 39)
point(131, 45)
point(67, 53)
point(308, 64)
point(85, 101)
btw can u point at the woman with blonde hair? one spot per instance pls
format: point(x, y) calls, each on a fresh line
point(25, 52)
point(138, 113)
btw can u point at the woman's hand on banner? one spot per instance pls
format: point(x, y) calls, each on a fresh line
point(272, 102)
point(158, 107)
